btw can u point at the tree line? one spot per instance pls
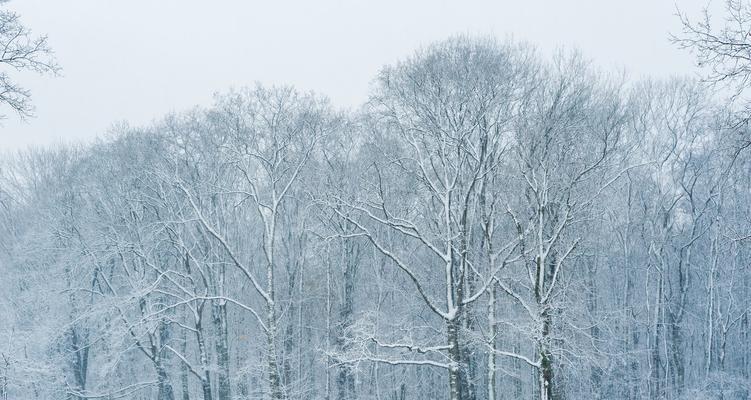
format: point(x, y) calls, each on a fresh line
point(490, 224)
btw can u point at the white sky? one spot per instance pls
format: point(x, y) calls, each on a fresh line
point(140, 59)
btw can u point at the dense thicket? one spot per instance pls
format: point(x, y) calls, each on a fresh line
point(490, 225)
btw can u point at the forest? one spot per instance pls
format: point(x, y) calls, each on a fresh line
point(493, 223)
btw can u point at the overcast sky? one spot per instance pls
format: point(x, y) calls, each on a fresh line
point(137, 60)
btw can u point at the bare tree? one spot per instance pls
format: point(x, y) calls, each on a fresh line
point(722, 46)
point(445, 115)
point(21, 51)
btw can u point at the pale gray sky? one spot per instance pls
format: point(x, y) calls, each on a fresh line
point(140, 59)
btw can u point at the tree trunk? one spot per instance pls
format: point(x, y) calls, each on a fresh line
point(224, 386)
point(273, 365)
point(345, 380)
point(469, 365)
point(163, 383)
point(160, 359)
point(288, 341)
point(676, 339)
point(80, 359)
point(184, 384)
point(546, 374)
point(594, 331)
point(204, 360)
point(493, 343)
point(656, 364)
point(455, 369)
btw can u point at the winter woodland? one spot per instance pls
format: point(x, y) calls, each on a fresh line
point(493, 223)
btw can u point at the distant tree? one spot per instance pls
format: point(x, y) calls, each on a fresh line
point(20, 50)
